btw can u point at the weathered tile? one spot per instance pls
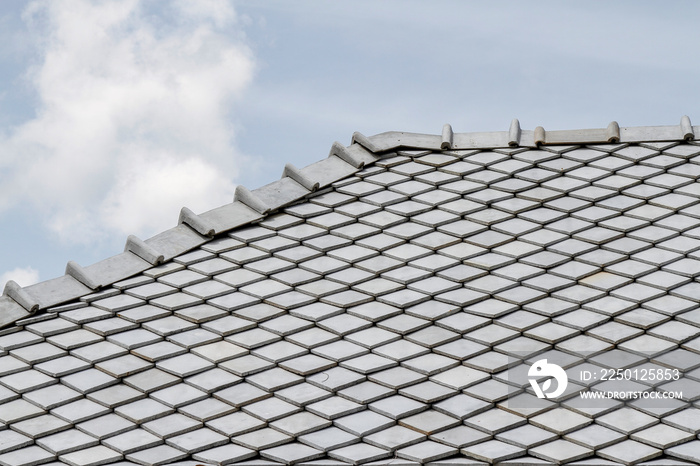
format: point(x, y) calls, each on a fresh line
point(493, 451)
point(206, 409)
point(261, 439)
point(292, 453)
point(270, 409)
point(143, 410)
point(274, 379)
point(629, 452)
point(66, 442)
point(689, 451)
point(93, 456)
point(662, 436)
point(219, 351)
point(134, 338)
point(157, 456)
point(494, 421)
point(52, 396)
point(560, 451)
point(233, 424)
point(118, 303)
point(560, 421)
point(28, 456)
point(178, 395)
point(89, 380)
point(11, 440)
point(647, 345)
point(359, 453)
point(41, 426)
point(106, 426)
point(115, 395)
point(426, 451)
point(527, 436)
point(399, 351)
point(627, 420)
point(197, 440)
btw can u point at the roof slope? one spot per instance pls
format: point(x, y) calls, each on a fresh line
point(391, 316)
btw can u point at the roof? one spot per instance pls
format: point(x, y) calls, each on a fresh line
point(388, 304)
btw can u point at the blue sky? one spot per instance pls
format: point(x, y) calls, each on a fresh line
point(114, 114)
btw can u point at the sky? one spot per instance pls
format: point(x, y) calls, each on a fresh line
point(114, 114)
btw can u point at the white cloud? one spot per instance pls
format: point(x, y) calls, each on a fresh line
point(133, 115)
point(161, 186)
point(23, 276)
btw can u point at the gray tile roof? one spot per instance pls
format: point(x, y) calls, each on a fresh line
point(384, 305)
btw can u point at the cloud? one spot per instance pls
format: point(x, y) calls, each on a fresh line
point(161, 186)
point(133, 116)
point(23, 276)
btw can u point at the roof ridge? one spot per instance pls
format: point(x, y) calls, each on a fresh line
point(515, 137)
point(192, 231)
point(296, 184)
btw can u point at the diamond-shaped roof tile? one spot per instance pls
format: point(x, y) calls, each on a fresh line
point(395, 313)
